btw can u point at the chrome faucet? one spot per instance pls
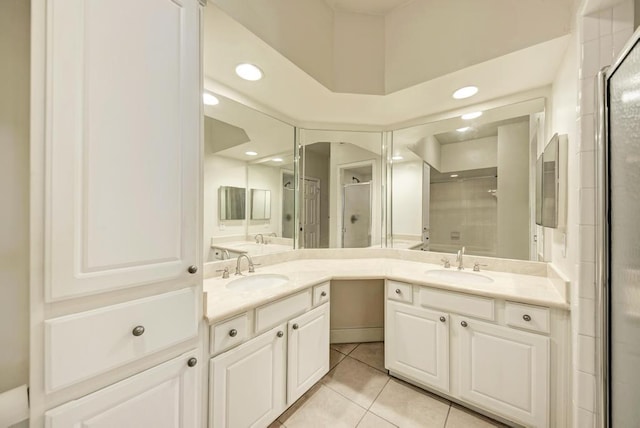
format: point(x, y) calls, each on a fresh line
point(459, 259)
point(252, 268)
point(261, 240)
point(275, 235)
point(225, 254)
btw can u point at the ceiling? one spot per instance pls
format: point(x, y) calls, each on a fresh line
point(369, 7)
point(477, 131)
point(298, 98)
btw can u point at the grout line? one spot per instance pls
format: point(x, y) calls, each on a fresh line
point(379, 393)
point(447, 418)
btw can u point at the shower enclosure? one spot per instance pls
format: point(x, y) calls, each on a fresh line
point(356, 215)
point(618, 240)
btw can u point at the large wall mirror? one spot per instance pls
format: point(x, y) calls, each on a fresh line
point(248, 174)
point(341, 201)
point(468, 181)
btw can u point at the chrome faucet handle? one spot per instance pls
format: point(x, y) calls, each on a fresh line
point(225, 272)
point(252, 267)
point(447, 263)
point(476, 266)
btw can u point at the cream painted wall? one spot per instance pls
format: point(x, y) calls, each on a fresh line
point(407, 198)
point(472, 154)
point(513, 191)
point(14, 193)
point(358, 57)
point(497, 28)
point(429, 150)
point(302, 31)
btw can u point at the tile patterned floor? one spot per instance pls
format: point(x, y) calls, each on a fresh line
point(357, 392)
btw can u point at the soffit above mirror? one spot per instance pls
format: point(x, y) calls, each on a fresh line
point(289, 88)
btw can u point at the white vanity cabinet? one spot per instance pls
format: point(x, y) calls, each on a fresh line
point(250, 385)
point(417, 344)
point(506, 358)
point(503, 370)
point(166, 396)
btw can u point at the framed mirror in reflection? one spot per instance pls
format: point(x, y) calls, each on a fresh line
point(468, 182)
point(246, 149)
point(341, 176)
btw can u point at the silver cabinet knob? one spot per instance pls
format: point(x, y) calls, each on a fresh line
point(443, 319)
point(398, 291)
point(138, 330)
point(192, 362)
point(464, 323)
point(526, 317)
point(233, 332)
point(192, 269)
point(280, 334)
point(295, 326)
point(323, 294)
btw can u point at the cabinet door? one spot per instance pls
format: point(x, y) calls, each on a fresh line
point(417, 344)
point(166, 396)
point(504, 370)
point(308, 353)
point(247, 383)
point(122, 144)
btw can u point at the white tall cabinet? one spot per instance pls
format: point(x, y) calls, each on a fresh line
point(115, 207)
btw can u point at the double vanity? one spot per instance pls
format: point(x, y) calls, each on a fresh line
point(496, 341)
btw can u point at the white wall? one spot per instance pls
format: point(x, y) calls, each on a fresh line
point(407, 198)
point(471, 154)
point(428, 149)
point(14, 193)
point(513, 191)
point(358, 58)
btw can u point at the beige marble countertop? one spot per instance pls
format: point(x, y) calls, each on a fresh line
point(222, 303)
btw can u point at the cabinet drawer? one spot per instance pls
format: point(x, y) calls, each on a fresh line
point(529, 317)
point(275, 313)
point(227, 334)
point(321, 293)
point(400, 291)
point(86, 344)
point(464, 304)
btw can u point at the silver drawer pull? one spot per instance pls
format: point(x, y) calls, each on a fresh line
point(295, 326)
point(233, 332)
point(464, 323)
point(138, 331)
point(192, 362)
point(398, 291)
point(526, 317)
point(443, 319)
point(323, 294)
point(280, 334)
point(192, 269)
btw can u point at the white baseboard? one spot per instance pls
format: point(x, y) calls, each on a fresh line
point(357, 335)
point(14, 406)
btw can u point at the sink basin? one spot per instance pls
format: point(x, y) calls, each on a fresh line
point(258, 282)
point(458, 276)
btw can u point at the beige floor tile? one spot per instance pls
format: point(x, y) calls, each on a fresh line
point(371, 354)
point(372, 421)
point(407, 407)
point(460, 417)
point(323, 408)
point(356, 381)
point(299, 402)
point(335, 357)
point(345, 348)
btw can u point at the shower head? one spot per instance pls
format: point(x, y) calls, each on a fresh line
point(355, 179)
point(288, 183)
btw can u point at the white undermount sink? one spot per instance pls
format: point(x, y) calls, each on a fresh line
point(259, 281)
point(458, 276)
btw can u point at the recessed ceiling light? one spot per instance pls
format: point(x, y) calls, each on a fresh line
point(463, 129)
point(277, 159)
point(210, 99)
point(397, 158)
point(251, 153)
point(453, 175)
point(466, 92)
point(249, 72)
point(470, 116)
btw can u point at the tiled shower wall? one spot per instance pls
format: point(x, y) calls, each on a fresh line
point(602, 36)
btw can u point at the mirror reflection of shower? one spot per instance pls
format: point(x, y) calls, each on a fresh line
point(288, 205)
point(356, 206)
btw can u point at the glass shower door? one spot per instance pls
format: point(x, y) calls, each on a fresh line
point(356, 215)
